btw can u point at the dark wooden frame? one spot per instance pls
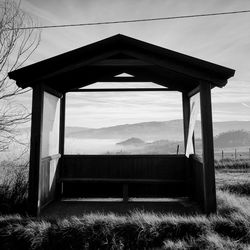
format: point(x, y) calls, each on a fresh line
point(35, 150)
point(208, 148)
point(102, 62)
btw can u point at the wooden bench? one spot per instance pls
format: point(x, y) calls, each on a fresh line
point(124, 182)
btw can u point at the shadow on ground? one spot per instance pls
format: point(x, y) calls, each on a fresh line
point(78, 207)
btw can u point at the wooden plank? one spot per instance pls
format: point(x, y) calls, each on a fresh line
point(208, 148)
point(35, 151)
point(124, 166)
point(146, 175)
point(167, 157)
point(111, 180)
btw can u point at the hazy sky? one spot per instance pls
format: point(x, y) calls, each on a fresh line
point(223, 40)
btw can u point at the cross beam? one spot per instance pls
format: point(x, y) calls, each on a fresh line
point(122, 90)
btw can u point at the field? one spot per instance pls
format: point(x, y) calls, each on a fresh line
point(229, 229)
point(231, 153)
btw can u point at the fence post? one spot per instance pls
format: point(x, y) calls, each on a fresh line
point(178, 147)
point(222, 156)
point(235, 154)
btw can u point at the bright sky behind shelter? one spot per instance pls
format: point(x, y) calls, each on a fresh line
point(223, 40)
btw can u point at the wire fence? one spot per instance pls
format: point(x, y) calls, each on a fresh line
point(233, 154)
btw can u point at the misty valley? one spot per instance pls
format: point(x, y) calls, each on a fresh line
point(156, 138)
point(129, 146)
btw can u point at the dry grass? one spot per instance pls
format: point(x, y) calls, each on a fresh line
point(14, 190)
point(234, 180)
point(229, 229)
point(238, 188)
point(232, 164)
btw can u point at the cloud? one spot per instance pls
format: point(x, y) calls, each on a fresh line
point(107, 109)
point(222, 40)
point(246, 105)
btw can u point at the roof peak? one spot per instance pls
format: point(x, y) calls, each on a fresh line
point(121, 52)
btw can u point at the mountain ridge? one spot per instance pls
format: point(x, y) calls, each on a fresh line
point(155, 130)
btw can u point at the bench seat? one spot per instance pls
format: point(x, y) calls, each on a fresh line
point(123, 181)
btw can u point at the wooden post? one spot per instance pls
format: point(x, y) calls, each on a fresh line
point(193, 139)
point(186, 116)
point(62, 125)
point(208, 148)
point(35, 151)
point(61, 142)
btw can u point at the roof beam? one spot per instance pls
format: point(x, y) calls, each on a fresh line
point(122, 62)
point(32, 74)
point(193, 91)
point(125, 79)
point(179, 68)
point(121, 90)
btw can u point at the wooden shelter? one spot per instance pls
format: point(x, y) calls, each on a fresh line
point(53, 173)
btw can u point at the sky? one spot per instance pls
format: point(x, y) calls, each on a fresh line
point(222, 40)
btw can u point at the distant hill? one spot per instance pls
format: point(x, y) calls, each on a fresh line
point(132, 142)
point(232, 139)
point(151, 131)
point(171, 130)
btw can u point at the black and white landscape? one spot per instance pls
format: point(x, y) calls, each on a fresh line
point(152, 137)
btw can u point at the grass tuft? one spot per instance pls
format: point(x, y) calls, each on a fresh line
point(14, 191)
point(229, 203)
point(228, 163)
point(238, 188)
point(229, 229)
point(235, 229)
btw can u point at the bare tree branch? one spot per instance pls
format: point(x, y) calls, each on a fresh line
point(16, 46)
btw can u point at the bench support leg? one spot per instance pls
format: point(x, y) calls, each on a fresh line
point(125, 192)
point(61, 189)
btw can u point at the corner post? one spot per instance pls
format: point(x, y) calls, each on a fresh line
point(61, 144)
point(186, 116)
point(34, 192)
point(208, 148)
point(62, 125)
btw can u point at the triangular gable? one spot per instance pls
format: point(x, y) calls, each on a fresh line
point(118, 54)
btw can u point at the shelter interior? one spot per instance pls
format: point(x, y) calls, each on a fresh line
point(141, 122)
point(54, 174)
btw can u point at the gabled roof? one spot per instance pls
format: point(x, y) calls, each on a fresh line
point(102, 60)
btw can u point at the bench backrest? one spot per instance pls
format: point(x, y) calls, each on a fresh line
point(125, 166)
